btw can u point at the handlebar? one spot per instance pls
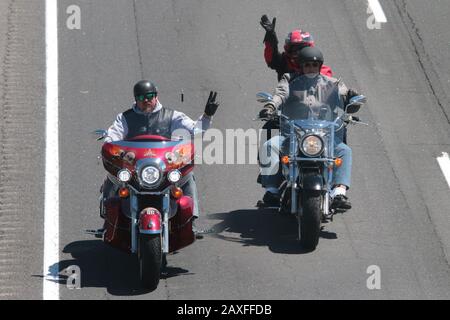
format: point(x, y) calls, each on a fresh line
point(348, 120)
point(355, 120)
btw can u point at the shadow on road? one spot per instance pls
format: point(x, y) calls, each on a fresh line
point(105, 267)
point(262, 227)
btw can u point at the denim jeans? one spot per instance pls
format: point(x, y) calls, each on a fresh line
point(271, 175)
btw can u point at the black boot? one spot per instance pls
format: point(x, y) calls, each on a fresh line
point(271, 199)
point(341, 202)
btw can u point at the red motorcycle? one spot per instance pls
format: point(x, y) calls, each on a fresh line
point(145, 199)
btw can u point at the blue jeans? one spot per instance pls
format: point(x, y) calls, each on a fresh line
point(272, 177)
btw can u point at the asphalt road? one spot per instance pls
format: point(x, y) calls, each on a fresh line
point(399, 220)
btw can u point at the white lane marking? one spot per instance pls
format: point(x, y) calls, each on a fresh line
point(377, 10)
point(444, 163)
point(51, 223)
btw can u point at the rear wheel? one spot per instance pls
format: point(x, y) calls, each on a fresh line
point(309, 220)
point(150, 260)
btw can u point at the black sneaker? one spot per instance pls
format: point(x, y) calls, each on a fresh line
point(271, 199)
point(341, 202)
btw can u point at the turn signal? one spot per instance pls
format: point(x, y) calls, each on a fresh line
point(285, 160)
point(338, 162)
point(177, 193)
point(124, 192)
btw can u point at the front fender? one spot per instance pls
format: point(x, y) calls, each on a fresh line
point(312, 182)
point(150, 221)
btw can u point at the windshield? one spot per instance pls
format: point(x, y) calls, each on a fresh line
point(312, 99)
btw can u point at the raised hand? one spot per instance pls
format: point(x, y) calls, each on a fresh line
point(211, 104)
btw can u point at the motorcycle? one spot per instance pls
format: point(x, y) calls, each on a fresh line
point(309, 121)
point(145, 200)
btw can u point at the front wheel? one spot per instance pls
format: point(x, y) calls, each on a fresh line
point(309, 220)
point(150, 260)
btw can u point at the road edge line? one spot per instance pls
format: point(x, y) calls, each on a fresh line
point(51, 218)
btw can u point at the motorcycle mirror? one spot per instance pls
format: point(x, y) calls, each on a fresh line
point(352, 108)
point(355, 104)
point(358, 100)
point(100, 134)
point(264, 97)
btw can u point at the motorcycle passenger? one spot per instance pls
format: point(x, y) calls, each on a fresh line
point(310, 62)
point(147, 116)
point(287, 61)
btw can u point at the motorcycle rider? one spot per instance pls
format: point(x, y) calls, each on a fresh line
point(286, 62)
point(310, 62)
point(147, 116)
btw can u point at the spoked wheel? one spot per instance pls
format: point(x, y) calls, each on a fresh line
point(309, 220)
point(150, 260)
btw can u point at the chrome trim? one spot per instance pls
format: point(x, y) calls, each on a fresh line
point(155, 162)
point(175, 170)
point(326, 205)
point(293, 147)
point(180, 184)
point(313, 159)
point(152, 193)
point(147, 145)
point(134, 221)
point(165, 209)
point(123, 170)
point(307, 136)
point(141, 231)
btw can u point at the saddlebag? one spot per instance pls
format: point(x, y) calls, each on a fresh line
point(117, 225)
point(181, 234)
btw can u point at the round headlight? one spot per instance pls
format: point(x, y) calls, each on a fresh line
point(174, 176)
point(312, 145)
point(150, 175)
point(124, 175)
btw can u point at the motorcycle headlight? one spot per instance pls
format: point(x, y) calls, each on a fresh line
point(124, 175)
point(174, 176)
point(312, 145)
point(150, 175)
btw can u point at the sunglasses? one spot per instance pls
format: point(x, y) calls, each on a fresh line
point(311, 64)
point(148, 96)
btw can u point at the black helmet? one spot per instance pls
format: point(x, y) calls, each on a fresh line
point(143, 87)
point(310, 54)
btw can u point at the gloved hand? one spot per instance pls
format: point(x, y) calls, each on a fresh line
point(350, 94)
point(267, 111)
point(211, 104)
point(270, 29)
point(267, 25)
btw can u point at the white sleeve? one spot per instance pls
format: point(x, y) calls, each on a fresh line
point(282, 91)
point(182, 121)
point(119, 129)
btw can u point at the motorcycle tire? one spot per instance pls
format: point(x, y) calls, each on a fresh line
point(150, 260)
point(309, 222)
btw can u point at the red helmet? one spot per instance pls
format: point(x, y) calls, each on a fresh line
point(297, 40)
